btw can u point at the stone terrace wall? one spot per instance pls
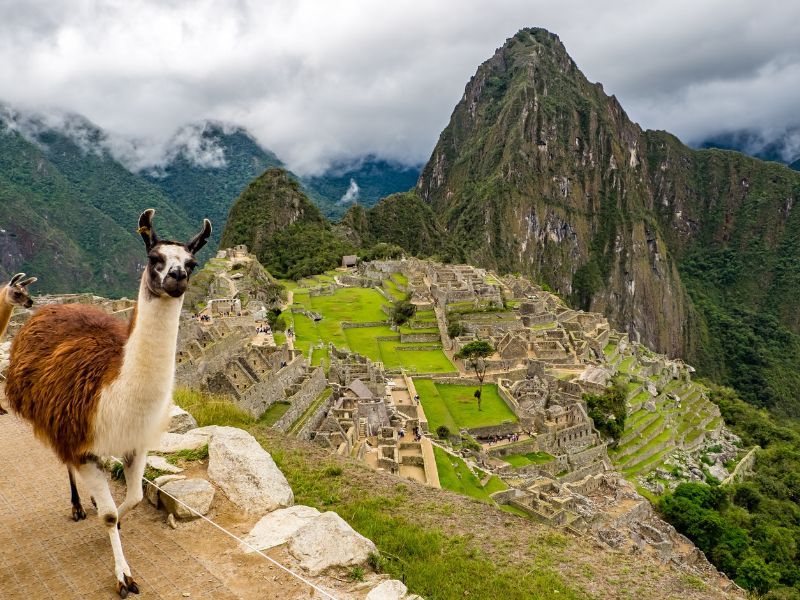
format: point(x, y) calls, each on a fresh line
point(261, 396)
point(309, 391)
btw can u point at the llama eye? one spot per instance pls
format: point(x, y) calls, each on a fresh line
point(190, 266)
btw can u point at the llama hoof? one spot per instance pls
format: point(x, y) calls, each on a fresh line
point(131, 585)
point(78, 514)
point(3, 411)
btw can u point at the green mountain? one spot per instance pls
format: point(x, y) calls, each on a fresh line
point(693, 252)
point(208, 165)
point(68, 210)
point(283, 228)
point(364, 182)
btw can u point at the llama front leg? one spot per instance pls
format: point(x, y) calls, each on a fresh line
point(78, 514)
point(133, 464)
point(95, 481)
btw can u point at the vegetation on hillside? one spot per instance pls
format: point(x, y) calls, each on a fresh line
point(749, 529)
point(608, 410)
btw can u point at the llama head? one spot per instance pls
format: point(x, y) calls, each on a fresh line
point(170, 264)
point(16, 292)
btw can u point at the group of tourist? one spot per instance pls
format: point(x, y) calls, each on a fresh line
point(263, 329)
point(496, 439)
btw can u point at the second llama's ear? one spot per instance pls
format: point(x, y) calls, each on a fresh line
point(146, 228)
point(201, 238)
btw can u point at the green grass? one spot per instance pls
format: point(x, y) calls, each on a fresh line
point(425, 315)
point(400, 279)
point(361, 305)
point(393, 290)
point(279, 337)
point(273, 414)
point(456, 476)
point(530, 458)
point(626, 365)
point(455, 406)
point(211, 410)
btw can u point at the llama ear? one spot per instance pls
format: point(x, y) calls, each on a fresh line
point(146, 228)
point(201, 238)
point(15, 279)
point(28, 281)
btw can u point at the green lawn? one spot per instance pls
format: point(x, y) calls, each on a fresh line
point(357, 305)
point(530, 458)
point(393, 290)
point(400, 279)
point(455, 407)
point(361, 305)
point(274, 413)
point(456, 476)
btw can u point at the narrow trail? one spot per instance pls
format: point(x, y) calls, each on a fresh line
point(44, 554)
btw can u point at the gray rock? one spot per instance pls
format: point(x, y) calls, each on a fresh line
point(651, 388)
point(718, 471)
point(180, 421)
point(246, 473)
point(388, 590)
point(175, 442)
point(196, 493)
point(650, 406)
point(151, 492)
point(162, 464)
point(328, 541)
point(278, 526)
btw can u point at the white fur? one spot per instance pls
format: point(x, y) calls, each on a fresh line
point(174, 257)
point(133, 409)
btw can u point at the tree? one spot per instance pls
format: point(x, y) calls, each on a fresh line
point(403, 311)
point(475, 354)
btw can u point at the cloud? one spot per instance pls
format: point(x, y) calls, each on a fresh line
point(324, 82)
point(351, 195)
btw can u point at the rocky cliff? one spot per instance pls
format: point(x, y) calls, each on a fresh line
point(541, 172)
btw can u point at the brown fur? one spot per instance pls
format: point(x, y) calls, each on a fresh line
point(60, 362)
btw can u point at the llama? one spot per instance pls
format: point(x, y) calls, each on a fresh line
point(15, 293)
point(93, 386)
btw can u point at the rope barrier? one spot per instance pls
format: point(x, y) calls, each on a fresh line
point(238, 539)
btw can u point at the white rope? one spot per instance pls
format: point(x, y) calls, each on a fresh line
point(238, 539)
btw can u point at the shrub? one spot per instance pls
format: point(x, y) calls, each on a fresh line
point(403, 311)
point(443, 432)
point(455, 329)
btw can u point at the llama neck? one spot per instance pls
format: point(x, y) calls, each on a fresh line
point(150, 350)
point(6, 308)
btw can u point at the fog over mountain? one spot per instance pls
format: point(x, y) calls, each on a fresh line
point(320, 83)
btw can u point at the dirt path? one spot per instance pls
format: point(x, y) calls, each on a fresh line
point(44, 554)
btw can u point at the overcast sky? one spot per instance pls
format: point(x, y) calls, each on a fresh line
point(330, 79)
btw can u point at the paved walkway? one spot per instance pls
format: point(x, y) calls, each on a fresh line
point(44, 554)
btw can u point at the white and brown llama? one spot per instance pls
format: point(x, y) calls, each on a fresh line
point(14, 293)
point(93, 386)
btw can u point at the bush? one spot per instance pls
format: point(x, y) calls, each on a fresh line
point(608, 411)
point(403, 311)
point(455, 329)
point(443, 432)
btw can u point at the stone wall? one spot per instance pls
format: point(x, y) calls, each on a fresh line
point(261, 396)
point(309, 391)
point(314, 421)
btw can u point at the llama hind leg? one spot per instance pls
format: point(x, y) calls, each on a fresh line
point(95, 480)
point(133, 464)
point(78, 514)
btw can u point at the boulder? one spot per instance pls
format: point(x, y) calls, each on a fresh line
point(650, 406)
point(651, 388)
point(175, 442)
point(180, 421)
point(278, 526)
point(246, 473)
point(151, 492)
point(328, 541)
point(162, 464)
point(197, 493)
point(388, 590)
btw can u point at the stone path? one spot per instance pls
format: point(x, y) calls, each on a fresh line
point(44, 554)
